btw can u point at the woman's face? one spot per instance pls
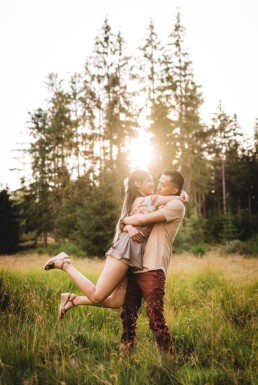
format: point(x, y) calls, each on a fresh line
point(147, 186)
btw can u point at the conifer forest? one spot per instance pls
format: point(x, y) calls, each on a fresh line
point(78, 154)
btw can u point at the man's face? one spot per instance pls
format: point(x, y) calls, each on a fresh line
point(165, 186)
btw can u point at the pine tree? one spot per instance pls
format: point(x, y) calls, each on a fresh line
point(61, 131)
point(233, 159)
point(102, 70)
point(75, 94)
point(253, 180)
point(90, 127)
point(42, 172)
point(82, 106)
point(123, 111)
point(158, 112)
point(184, 100)
point(151, 64)
point(116, 116)
point(255, 136)
point(220, 139)
point(96, 220)
point(9, 224)
point(187, 100)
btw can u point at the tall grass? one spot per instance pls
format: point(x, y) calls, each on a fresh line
point(211, 313)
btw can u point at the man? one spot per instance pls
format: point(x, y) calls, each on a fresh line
point(149, 283)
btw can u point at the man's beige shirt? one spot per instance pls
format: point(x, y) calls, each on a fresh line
point(159, 246)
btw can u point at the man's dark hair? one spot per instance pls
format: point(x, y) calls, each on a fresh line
point(176, 178)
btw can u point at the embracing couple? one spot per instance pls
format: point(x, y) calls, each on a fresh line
point(136, 264)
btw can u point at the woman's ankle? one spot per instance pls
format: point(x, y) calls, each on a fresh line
point(66, 265)
point(74, 299)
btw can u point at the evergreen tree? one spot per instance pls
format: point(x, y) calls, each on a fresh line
point(60, 130)
point(82, 107)
point(255, 136)
point(75, 94)
point(185, 135)
point(9, 224)
point(61, 133)
point(234, 172)
point(221, 135)
point(29, 221)
point(42, 172)
point(88, 217)
point(253, 182)
point(90, 143)
point(103, 71)
point(80, 193)
point(123, 109)
point(151, 64)
point(187, 100)
point(96, 221)
point(116, 116)
point(158, 112)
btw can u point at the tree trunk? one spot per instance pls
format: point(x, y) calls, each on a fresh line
point(223, 186)
point(44, 239)
point(249, 206)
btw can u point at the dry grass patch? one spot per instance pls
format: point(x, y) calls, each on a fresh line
point(234, 267)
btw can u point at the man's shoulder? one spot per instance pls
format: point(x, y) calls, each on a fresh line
point(174, 209)
point(176, 205)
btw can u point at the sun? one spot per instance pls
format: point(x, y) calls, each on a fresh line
point(140, 151)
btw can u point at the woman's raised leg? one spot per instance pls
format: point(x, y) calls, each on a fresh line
point(114, 301)
point(113, 272)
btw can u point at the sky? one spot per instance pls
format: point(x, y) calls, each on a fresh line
point(38, 37)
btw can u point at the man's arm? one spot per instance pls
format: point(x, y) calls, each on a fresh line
point(144, 219)
point(163, 199)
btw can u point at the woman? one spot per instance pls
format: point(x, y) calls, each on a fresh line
point(111, 286)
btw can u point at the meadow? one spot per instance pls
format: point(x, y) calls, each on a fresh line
point(210, 307)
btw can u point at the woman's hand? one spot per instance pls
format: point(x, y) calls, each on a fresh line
point(134, 233)
point(184, 197)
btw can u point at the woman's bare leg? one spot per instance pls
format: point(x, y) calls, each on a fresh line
point(112, 274)
point(114, 301)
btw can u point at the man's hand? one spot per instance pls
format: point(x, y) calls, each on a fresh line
point(184, 197)
point(134, 233)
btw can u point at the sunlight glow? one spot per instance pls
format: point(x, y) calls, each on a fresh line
point(140, 151)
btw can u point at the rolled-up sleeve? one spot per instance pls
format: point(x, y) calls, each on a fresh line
point(173, 210)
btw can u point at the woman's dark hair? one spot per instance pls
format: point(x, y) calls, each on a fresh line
point(131, 192)
point(136, 176)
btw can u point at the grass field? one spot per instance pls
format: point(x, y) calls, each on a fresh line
point(210, 307)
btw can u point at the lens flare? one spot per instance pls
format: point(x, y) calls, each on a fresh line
point(140, 151)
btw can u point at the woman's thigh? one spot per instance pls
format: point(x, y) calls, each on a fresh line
point(113, 272)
